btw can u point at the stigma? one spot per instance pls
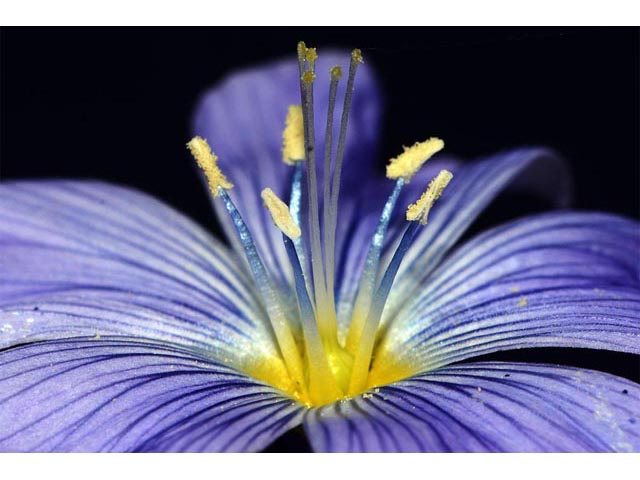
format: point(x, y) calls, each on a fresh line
point(320, 367)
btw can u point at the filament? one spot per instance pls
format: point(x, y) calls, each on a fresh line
point(370, 270)
point(364, 350)
point(268, 293)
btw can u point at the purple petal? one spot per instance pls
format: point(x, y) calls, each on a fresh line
point(473, 187)
point(503, 407)
point(567, 279)
point(125, 395)
point(243, 119)
point(84, 258)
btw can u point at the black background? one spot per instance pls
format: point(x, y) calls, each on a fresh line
point(115, 104)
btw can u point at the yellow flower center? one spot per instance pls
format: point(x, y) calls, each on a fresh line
point(314, 366)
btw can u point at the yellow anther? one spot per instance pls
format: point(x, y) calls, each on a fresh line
point(420, 209)
point(280, 214)
point(357, 55)
point(308, 77)
point(208, 162)
point(407, 164)
point(336, 72)
point(293, 136)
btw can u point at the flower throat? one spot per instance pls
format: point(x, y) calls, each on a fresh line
point(320, 368)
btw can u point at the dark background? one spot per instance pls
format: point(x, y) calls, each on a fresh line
point(115, 104)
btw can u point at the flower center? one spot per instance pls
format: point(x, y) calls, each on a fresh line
point(319, 367)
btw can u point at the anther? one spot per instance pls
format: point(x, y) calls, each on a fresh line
point(208, 162)
point(293, 136)
point(280, 214)
point(407, 164)
point(419, 211)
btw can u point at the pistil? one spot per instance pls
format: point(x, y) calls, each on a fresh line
point(326, 321)
point(336, 74)
point(331, 217)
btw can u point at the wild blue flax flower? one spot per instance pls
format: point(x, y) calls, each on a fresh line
point(126, 327)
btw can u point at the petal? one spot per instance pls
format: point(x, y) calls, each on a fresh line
point(80, 258)
point(243, 119)
point(565, 279)
point(125, 395)
point(473, 187)
point(504, 407)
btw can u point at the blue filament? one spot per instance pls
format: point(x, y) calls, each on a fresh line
point(372, 261)
point(295, 201)
point(367, 338)
point(255, 263)
point(386, 283)
point(307, 313)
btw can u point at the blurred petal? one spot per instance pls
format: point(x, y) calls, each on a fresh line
point(85, 258)
point(124, 395)
point(566, 279)
point(503, 407)
point(243, 119)
point(473, 187)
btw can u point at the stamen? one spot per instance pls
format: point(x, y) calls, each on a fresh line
point(293, 136)
point(362, 359)
point(293, 154)
point(370, 271)
point(280, 214)
point(420, 209)
point(270, 297)
point(208, 162)
point(409, 162)
point(330, 226)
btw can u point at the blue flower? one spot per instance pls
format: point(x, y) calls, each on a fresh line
point(126, 327)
